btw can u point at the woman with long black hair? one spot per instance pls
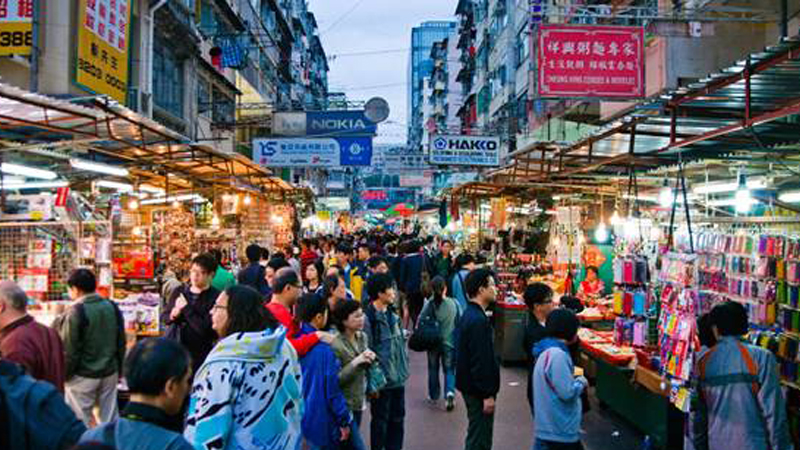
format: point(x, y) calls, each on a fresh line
point(445, 310)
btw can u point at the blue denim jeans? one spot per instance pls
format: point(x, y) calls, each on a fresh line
point(388, 419)
point(441, 358)
point(356, 442)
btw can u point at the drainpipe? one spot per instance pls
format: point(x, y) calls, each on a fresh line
point(784, 19)
point(151, 18)
point(34, 74)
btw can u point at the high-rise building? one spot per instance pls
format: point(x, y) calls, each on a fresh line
point(421, 66)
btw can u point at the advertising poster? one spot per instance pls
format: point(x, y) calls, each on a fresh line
point(465, 150)
point(315, 152)
point(102, 54)
point(16, 27)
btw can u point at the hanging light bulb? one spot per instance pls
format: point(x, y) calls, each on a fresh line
point(666, 196)
point(247, 199)
point(615, 220)
point(176, 204)
point(601, 233)
point(133, 204)
point(744, 198)
point(215, 221)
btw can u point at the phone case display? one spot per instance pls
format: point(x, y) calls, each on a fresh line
point(635, 324)
point(786, 348)
point(759, 271)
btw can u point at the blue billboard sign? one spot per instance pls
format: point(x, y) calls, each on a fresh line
point(313, 152)
point(339, 123)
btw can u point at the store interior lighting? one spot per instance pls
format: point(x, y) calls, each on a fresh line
point(92, 166)
point(723, 187)
point(196, 198)
point(247, 199)
point(743, 197)
point(790, 197)
point(35, 185)
point(25, 171)
point(601, 233)
point(12, 180)
point(666, 196)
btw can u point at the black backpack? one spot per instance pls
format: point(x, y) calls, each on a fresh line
point(428, 333)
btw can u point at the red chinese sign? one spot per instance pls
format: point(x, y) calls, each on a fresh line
point(374, 195)
point(591, 61)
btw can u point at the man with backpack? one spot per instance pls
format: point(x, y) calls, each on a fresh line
point(735, 378)
point(33, 414)
point(93, 333)
point(386, 339)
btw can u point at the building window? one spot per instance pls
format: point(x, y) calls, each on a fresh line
point(203, 97)
point(224, 106)
point(168, 82)
point(523, 47)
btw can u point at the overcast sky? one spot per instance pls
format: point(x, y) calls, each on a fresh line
point(353, 26)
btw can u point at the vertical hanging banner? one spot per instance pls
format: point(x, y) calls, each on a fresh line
point(102, 56)
point(591, 61)
point(16, 27)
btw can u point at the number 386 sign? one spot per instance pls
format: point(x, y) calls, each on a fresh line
point(16, 29)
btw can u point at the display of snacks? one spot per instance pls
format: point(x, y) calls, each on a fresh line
point(618, 356)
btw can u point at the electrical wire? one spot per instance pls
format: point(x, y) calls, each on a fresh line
point(342, 17)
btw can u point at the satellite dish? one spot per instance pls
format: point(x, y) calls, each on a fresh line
point(376, 109)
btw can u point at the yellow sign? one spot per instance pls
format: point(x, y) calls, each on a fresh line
point(103, 33)
point(16, 28)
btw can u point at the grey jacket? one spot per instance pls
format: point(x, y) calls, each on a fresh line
point(389, 345)
point(727, 384)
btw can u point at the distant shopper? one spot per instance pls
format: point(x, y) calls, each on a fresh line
point(465, 263)
point(738, 380)
point(355, 357)
point(411, 280)
point(308, 256)
point(445, 310)
point(275, 264)
point(314, 277)
point(477, 366)
point(539, 301)
point(557, 389)
point(252, 364)
point(171, 282)
point(27, 342)
point(94, 343)
point(187, 314)
point(444, 260)
point(327, 421)
point(334, 291)
point(33, 415)
point(287, 291)
point(222, 278)
point(158, 373)
point(388, 407)
point(253, 274)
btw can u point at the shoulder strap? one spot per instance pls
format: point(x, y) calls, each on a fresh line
point(83, 319)
point(373, 319)
point(703, 361)
point(751, 367)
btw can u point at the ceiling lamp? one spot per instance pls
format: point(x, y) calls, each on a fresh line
point(16, 169)
point(790, 197)
point(722, 187)
point(667, 196)
point(601, 233)
point(743, 196)
point(35, 185)
point(92, 166)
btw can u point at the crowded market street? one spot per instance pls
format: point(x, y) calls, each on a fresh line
point(399, 225)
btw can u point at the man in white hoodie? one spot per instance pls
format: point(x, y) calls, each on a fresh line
point(557, 387)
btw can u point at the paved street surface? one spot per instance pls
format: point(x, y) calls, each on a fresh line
point(429, 428)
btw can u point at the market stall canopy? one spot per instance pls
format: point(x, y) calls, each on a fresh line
point(56, 129)
point(740, 115)
point(402, 209)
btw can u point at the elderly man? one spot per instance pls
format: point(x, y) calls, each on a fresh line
point(27, 342)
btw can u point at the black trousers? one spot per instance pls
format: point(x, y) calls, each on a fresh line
point(388, 419)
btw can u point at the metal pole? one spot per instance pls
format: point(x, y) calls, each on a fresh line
point(34, 75)
point(784, 18)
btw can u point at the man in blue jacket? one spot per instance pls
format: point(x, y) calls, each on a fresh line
point(557, 389)
point(477, 367)
point(327, 419)
point(253, 275)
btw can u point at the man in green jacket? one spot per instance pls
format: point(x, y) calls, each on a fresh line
point(93, 332)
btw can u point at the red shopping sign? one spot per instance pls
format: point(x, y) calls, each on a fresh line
point(591, 61)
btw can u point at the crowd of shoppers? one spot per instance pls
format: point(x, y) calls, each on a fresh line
point(290, 352)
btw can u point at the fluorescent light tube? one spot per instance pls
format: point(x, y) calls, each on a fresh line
point(13, 180)
point(124, 187)
point(92, 166)
point(176, 198)
point(790, 197)
point(36, 185)
point(16, 169)
point(718, 188)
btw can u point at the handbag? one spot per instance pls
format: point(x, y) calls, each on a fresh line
point(428, 333)
point(376, 379)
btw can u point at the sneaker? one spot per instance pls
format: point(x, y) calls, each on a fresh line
point(450, 402)
point(431, 402)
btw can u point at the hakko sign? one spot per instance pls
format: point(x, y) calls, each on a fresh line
point(465, 150)
point(591, 61)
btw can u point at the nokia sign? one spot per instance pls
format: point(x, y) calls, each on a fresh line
point(465, 150)
point(339, 123)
